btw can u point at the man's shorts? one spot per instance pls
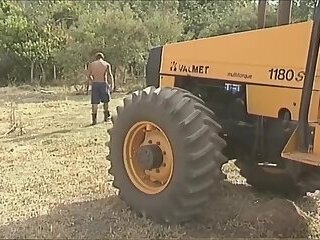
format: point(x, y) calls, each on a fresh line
point(100, 93)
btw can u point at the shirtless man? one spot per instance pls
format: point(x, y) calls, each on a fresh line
point(102, 82)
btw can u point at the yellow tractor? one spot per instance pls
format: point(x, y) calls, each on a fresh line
point(244, 96)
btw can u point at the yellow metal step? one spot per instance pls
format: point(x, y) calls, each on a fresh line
point(309, 158)
point(313, 158)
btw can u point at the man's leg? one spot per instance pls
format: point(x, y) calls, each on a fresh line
point(94, 113)
point(106, 111)
point(95, 100)
point(105, 98)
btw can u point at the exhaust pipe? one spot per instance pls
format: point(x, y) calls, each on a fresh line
point(311, 67)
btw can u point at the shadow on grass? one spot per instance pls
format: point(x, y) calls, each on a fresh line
point(36, 97)
point(37, 136)
point(241, 212)
point(236, 212)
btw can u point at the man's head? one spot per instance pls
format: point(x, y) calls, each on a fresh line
point(99, 55)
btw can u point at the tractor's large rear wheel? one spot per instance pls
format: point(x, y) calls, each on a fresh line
point(165, 154)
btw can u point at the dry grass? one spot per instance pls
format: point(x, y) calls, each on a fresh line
point(54, 183)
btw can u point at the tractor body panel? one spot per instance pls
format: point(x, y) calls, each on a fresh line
point(270, 100)
point(251, 80)
point(256, 57)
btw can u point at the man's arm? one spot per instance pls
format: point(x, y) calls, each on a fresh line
point(88, 73)
point(110, 78)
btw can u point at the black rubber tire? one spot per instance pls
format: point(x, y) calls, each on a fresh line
point(197, 147)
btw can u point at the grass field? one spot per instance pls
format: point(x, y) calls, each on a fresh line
point(54, 183)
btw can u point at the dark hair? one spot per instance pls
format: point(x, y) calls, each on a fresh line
point(99, 55)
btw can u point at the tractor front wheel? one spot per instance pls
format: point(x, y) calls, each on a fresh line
point(165, 154)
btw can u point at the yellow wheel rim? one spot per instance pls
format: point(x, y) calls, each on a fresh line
point(148, 181)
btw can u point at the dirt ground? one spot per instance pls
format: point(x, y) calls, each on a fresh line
point(54, 183)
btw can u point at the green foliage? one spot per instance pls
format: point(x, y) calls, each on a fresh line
point(303, 10)
point(39, 36)
point(28, 39)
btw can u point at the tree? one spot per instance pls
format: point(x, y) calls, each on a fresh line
point(25, 38)
point(37, 36)
point(303, 10)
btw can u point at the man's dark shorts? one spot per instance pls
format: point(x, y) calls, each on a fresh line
point(99, 93)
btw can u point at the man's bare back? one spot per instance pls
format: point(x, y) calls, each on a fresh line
point(100, 71)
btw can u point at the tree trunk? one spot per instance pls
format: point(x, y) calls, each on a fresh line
point(315, 2)
point(115, 77)
point(284, 12)
point(144, 78)
point(54, 73)
point(262, 13)
point(124, 79)
point(43, 72)
point(32, 73)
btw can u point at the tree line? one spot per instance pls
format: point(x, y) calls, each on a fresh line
point(51, 41)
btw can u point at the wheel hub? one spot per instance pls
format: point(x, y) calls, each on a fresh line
point(150, 156)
